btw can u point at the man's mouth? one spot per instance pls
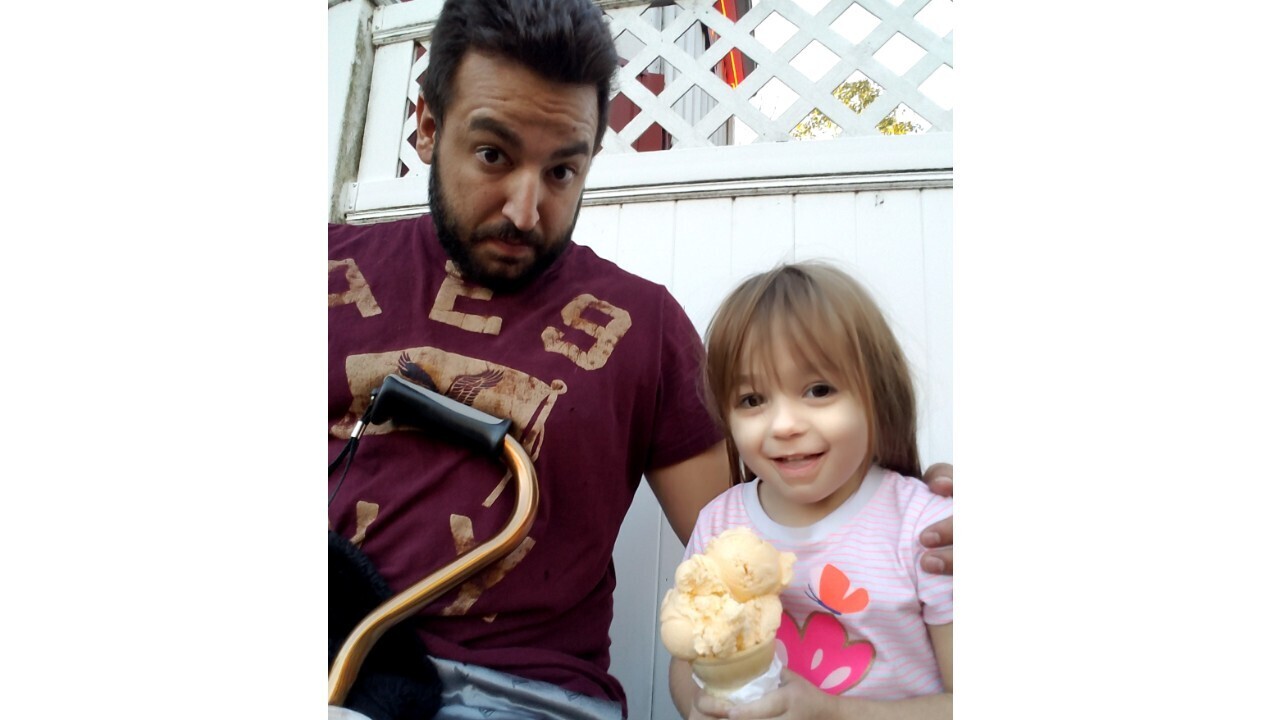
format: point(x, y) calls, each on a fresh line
point(508, 245)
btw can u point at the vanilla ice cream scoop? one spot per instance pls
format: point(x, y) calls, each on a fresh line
point(750, 566)
point(725, 601)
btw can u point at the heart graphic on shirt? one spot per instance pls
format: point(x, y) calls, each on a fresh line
point(820, 651)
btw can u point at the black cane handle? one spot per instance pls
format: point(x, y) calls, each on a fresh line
point(413, 405)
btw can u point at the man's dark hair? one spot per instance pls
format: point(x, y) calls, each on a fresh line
point(562, 40)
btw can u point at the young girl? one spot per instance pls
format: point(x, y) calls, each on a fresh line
point(810, 383)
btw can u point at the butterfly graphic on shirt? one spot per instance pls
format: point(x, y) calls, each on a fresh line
point(834, 592)
point(820, 648)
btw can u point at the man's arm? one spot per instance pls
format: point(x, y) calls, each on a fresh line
point(938, 535)
point(684, 488)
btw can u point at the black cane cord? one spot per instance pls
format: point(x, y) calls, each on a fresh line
point(348, 452)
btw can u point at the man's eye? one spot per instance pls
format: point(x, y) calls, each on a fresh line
point(489, 156)
point(563, 173)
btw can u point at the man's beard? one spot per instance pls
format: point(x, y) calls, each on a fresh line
point(463, 252)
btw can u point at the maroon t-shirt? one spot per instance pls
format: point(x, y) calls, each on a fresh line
point(598, 370)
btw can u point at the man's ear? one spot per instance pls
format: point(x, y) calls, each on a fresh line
point(426, 139)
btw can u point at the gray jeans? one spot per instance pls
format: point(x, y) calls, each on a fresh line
point(472, 692)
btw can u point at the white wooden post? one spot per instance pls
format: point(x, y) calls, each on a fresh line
point(350, 70)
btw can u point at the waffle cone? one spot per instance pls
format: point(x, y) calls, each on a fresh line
point(721, 676)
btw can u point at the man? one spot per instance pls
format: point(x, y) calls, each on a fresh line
point(489, 301)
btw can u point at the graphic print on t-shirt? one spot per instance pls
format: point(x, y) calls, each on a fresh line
point(820, 649)
point(464, 540)
point(833, 591)
point(357, 291)
point(495, 389)
point(821, 652)
point(586, 331)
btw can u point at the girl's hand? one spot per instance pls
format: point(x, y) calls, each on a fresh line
point(796, 699)
point(707, 706)
point(721, 709)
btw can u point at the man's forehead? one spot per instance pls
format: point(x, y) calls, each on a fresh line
point(495, 93)
point(484, 122)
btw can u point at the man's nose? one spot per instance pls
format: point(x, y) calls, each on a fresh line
point(523, 196)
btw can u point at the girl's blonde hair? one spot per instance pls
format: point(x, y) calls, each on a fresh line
point(830, 321)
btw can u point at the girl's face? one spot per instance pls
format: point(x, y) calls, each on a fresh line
point(806, 437)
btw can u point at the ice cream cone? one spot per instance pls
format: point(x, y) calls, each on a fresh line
point(721, 676)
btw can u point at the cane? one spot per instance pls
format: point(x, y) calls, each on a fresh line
point(409, 404)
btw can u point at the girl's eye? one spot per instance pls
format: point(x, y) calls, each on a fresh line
point(820, 390)
point(750, 400)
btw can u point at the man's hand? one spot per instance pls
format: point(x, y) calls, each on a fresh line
point(938, 535)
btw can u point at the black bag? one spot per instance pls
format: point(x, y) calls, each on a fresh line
point(397, 681)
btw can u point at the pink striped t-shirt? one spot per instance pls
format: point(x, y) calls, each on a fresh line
point(854, 615)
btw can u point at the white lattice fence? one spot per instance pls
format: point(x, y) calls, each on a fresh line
point(798, 53)
point(802, 51)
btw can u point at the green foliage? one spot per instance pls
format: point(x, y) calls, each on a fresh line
point(857, 95)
